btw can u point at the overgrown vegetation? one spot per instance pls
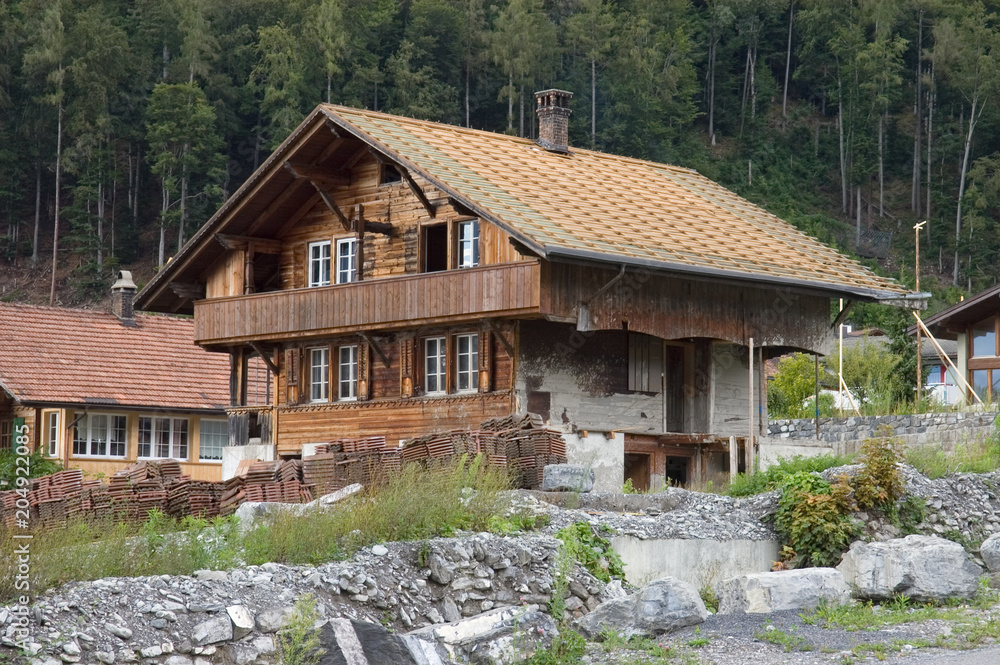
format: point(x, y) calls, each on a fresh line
point(813, 520)
point(298, 640)
point(38, 465)
point(878, 484)
point(971, 456)
point(585, 544)
point(772, 477)
point(567, 648)
point(413, 504)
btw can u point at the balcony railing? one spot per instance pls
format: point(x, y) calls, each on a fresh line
point(380, 304)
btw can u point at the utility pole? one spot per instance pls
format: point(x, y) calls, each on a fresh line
point(920, 369)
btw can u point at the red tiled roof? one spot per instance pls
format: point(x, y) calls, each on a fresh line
point(76, 356)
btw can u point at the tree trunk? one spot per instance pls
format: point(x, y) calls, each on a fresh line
point(164, 207)
point(593, 103)
point(184, 189)
point(711, 86)
point(788, 59)
point(857, 214)
point(510, 102)
point(468, 78)
point(931, 98)
point(55, 226)
point(843, 157)
point(881, 165)
point(520, 96)
point(961, 183)
point(746, 91)
point(918, 115)
point(100, 220)
point(38, 209)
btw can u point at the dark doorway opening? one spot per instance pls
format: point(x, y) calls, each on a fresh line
point(435, 243)
point(675, 470)
point(637, 469)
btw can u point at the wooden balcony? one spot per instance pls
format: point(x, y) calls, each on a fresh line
point(509, 289)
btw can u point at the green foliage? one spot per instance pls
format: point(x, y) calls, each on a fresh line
point(567, 648)
point(629, 488)
point(879, 483)
point(794, 383)
point(38, 465)
point(773, 476)
point(585, 545)
point(298, 641)
point(813, 521)
point(975, 456)
point(789, 641)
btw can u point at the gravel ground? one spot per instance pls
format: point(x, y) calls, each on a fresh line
point(783, 638)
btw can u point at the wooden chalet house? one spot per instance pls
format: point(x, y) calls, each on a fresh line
point(99, 390)
point(401, 277)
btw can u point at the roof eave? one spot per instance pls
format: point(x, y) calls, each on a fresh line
point(912, 300)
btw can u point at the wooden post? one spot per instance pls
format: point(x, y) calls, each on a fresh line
point(734, 458)
point(749, 450)
point(816, 403)
point(920, 369)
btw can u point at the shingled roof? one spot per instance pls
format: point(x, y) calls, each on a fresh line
point(66, 356)
point(579, 206)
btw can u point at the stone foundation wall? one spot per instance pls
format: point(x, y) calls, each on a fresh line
point(844, 435)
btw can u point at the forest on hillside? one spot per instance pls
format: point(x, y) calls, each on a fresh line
point(125, 123)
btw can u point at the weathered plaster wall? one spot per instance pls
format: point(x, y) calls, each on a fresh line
point(700, 562)
point(604, 453)
point(730, 391)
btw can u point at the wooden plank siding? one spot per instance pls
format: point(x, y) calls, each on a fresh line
point(397, 419)
point(508, 290)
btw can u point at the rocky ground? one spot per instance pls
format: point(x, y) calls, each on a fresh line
point(408, 586)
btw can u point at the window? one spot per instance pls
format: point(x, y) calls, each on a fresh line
point(319, 263)
point(984, 338)
point(214, 437)
point(163, 437)
point(434, 243)
point(468, 244)
point(51, 422)
point(467, 377)
point(348, 373)
point(319, 374)
point(980, 383)
point(347, 270)
point(434, 365)
point(100, 435)
point(6, 434)
point(389, 175)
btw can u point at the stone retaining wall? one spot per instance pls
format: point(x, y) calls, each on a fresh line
point(844, 435)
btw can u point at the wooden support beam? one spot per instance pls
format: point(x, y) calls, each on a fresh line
point(267, 359)
point(408, 177)
point(495, 329)
point(461, 208)
point(376, 348)
point(842, 315)
point(260, 245)
point(378, 227)
point(334, 129)
point(189, 290)
point(331, 204)
point(318, 174)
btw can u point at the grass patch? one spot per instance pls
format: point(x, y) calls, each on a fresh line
point(772, 477)
point(412, 505)
point(977, 456)
point(787, 640)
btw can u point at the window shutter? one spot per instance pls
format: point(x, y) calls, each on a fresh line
point(407, 362)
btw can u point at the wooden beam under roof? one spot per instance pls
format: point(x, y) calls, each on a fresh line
point(331, 204)
point(188, 290)
point(376, 348)
point(267, 359)
point(318, 174)
point(260, 245)
point(408, 178)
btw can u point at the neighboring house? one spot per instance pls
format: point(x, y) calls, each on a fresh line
point(972, 326)
point(99, 390)
point(402, 277)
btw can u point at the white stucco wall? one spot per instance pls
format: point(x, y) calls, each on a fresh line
point(604, 453)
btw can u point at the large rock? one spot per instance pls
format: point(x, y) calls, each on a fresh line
point(213, 631)
point(990, 551)
point(498, 637)
point(659, 607)
point(924, 568)
point(567, 478)
point(761, 593)
point(345, 641)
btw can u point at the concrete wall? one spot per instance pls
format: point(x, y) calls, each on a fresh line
point(700, 562)
point(730, 401)
point(604, 453)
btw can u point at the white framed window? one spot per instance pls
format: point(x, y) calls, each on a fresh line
point(468, 244)
point(467, 363)
point(319, 374)
point(100, 435)
point(434, 365)
point(51, 424)
point(319, 263)
point(162, 438)
point(348, 372)
point(214, 436)
point(347, 269)
point(6, 434)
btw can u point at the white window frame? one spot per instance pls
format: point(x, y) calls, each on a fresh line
point(467, 363)
point(435, 365)
point(347, 373)
point(114, 422)
point(319, 374)
point(51, 423)
point(347, 250)
point(161, 434)
point(468, 243)
point(319, 263)
point(202, 437)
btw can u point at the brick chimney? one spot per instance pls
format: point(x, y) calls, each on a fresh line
point(552, 107)
point(122, 293)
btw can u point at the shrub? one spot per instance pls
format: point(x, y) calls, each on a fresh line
point(813, 520)
point(772, 477)
point(299, 639)
point(879, 484)
point(592, 551)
